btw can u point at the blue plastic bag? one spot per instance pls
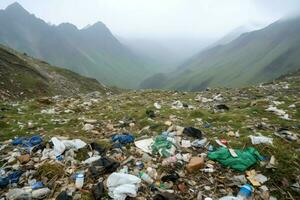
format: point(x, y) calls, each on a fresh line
point(28, 142)
point(122, 139)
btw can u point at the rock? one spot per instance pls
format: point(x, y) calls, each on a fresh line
point(90, 121)
point(88, 127)
point(195, 164)
point(23, 159)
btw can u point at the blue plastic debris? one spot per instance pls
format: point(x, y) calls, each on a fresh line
point(4, 181)
point(37, 185)
point(28, 142)
point(11, 178)
point(122, 139)
point(15, 176)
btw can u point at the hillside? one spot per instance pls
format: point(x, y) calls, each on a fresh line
point(92, 51)
point(253, 57)
point(23, 76)
point(96, 120)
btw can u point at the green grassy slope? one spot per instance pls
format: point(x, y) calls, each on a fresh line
point(22, 76)
point(252, 58)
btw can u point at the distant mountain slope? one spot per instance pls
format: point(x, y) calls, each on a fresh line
point(252, 58)
point(23, 76)
point(92, 51)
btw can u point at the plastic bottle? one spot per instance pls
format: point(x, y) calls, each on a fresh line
point(145, 177)
point(79, 180)
point(245, 192)
point(169, 161)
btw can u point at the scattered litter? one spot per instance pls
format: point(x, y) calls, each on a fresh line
point(122, 185)
point(246, 158)
point(261, 140)
point(256, 179)
point(144, 145)
point(157, 105)
point(193, 132)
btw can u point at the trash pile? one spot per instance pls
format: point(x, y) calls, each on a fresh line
point(160, 167)
point(162, 145)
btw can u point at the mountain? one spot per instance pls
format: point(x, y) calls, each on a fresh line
point(24, 76)
point(92, 51)
point(253, 57)
point(235, 33)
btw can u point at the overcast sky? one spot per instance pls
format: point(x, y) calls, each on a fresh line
point(161, 18)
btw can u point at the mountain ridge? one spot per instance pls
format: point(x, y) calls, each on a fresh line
point(254, 57)
point(92, 51)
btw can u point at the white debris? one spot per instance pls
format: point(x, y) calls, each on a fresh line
point(261, 140)
point(145, 145)
point(177, 105)
point(281, 113)
point(186, 143)
point(88, 127)
point(48, 111)
point(157, 105)
point(121, 185)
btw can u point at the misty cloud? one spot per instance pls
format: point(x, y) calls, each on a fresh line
point(161, 19)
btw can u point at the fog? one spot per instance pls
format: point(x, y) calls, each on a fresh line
point(196, 19)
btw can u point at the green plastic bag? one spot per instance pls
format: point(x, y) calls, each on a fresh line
point(246, 158)
point(163, 146)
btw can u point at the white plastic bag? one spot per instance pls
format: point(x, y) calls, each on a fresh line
point(144, 145)
point(59, 147)
point(74, 144)
point(122, 185)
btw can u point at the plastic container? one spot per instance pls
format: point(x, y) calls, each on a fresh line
point(245, 192)
point(145, 177)
point(79, 180)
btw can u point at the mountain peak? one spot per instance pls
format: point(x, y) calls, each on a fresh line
point(68, 27)
point(98, 25)
point(16, 7)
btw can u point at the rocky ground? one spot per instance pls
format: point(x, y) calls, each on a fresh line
point(227, 115)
